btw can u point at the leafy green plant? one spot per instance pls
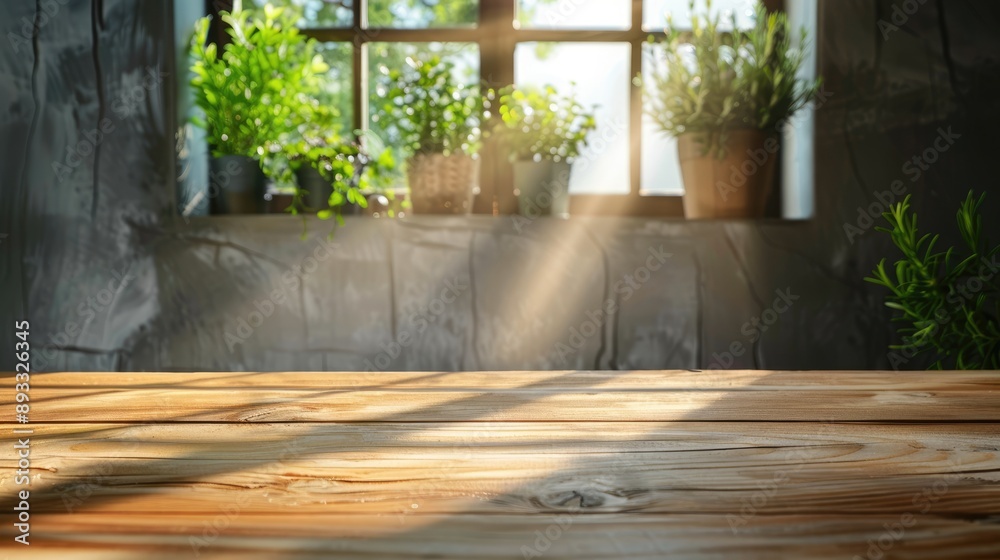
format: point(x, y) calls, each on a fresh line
point(711, 80)
point(350, 167)
point(261, 87)
point(949, 301)
point(539, 124)
point(427, 110)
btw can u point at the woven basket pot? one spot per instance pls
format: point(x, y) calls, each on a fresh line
point(735, 186)
point(441, 184)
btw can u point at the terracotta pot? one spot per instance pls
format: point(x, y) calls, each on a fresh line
point(735, 186)
point(441, 184)
point(237, 186)
point(542, 187)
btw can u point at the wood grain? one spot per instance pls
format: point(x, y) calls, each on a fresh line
point(516, 468)
point(502, 537)
point(555, 396)
point(729, 380)
point(672, 464)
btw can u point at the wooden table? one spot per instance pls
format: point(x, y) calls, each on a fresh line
point(575, 465)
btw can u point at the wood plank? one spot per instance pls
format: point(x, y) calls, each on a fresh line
point(110, 439)
point(418, 465)
point(730, 380)
point(412, 469)
point(493, 537)
point(181, 404)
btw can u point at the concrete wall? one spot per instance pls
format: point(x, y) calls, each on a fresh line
point(112, 279)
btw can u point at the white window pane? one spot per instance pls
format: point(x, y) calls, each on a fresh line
point(661, 170)
point(316, 13)
point(423, 13)
point(654, 12)
point(600, 72)
point(578, 14)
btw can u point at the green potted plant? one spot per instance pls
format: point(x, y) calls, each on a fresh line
point(333, 174)
point(948, 301)
point(436, 119)
point(252, 94)
point(725, 94)
point(544, 132)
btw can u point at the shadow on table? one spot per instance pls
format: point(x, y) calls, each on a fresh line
point(715, 482)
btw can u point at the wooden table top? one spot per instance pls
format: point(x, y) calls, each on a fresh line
point(508, 465)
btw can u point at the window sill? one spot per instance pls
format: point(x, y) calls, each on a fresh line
point(294, 224)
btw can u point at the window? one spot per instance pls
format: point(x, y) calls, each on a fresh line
point(594, 47)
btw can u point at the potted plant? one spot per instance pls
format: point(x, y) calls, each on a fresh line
point(948, 301)
point(725, 94)
point(435, 118)
point(252, 94)
point(333, 174)
point(544, 132)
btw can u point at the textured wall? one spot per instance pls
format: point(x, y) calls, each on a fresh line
point(95, 256)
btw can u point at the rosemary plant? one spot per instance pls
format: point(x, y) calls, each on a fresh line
point(947, 301)
point(711, 80)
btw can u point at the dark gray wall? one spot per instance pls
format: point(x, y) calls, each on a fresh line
point(111, 278)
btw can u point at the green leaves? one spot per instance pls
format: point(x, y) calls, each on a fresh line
point(539, 124)
point(426, 110)
point(261, 98)
point(349, 167)
point(258, 90)
point(709, 80)
point(949, 309)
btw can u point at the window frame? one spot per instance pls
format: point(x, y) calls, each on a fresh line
point(497, 38)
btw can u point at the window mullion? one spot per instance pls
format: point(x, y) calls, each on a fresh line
point(635, 103)
point(496, 51)
point(359, 85)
